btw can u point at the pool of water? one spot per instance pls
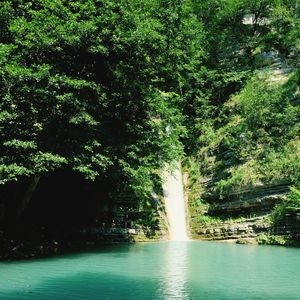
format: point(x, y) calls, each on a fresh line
point(166, 270)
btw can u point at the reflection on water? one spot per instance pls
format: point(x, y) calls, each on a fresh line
point(175, 284)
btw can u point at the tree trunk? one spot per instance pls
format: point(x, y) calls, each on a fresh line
point(28, 195)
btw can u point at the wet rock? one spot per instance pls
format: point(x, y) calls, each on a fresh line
point(247, 241)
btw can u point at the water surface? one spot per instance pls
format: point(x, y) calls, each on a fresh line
point(167, 270)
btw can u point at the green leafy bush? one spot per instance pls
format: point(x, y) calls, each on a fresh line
point(264, 239)
point(288, 212)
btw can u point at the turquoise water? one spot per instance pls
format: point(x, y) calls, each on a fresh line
point(167, 270)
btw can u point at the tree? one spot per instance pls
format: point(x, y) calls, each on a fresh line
point(78, 91)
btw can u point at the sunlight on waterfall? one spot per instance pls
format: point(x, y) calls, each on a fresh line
point(175, 205)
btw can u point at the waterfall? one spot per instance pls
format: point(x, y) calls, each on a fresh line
point(175, 204)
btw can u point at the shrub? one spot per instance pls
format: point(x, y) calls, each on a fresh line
point(288, 212)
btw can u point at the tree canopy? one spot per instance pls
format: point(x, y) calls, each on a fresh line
point(120, 88)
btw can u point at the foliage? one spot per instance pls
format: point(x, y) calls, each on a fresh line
point(257, 140)
point(264, 239)
point(207, 220)
point(288, 212)
point(81, 88)
point(117, 89)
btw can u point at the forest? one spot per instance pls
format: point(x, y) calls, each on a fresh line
point(98, 96)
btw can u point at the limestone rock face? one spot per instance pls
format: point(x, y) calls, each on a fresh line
point(244, 214)
point(248, 228)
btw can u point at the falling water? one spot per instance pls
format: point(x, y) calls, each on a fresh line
point(175, 204)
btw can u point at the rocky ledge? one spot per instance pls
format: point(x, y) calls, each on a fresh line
point(248, 228)
point(52, 242)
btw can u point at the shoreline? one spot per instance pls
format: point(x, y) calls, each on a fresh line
point(37, 250)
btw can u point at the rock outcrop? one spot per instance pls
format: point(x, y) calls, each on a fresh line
point(247, 228)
